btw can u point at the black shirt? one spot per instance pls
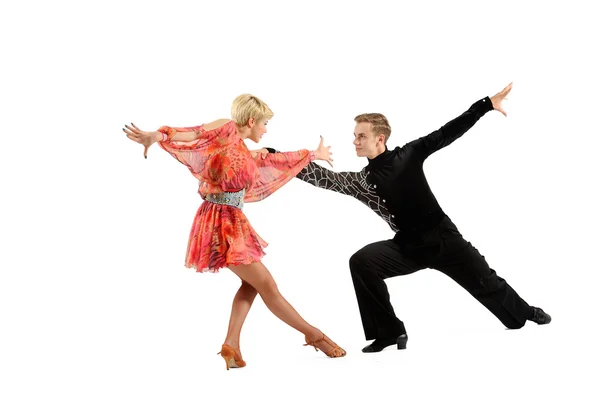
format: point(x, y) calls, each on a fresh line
point(393, 184)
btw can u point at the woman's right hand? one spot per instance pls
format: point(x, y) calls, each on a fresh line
point(144, 138)
point(262, 153)
point(323, 153)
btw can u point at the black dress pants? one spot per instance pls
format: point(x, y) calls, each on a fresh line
point(441, 248)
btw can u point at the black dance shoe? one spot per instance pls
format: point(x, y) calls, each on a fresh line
point(380, 344)
point(540, 317)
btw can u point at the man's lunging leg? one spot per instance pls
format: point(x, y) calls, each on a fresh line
point(369, 267)
point(469, 269)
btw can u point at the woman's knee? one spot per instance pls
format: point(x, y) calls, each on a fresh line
point(264, 284)
point(256, 275)
point(248, 289)
point(268, 287)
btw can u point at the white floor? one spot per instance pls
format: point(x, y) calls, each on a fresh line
point(154, 342)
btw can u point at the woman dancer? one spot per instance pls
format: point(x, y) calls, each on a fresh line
point(221, 235)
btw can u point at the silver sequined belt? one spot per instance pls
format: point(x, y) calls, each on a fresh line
point(227, 198)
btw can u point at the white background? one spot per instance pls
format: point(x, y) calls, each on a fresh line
point(94, 299)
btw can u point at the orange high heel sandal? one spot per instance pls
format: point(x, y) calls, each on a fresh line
point(335, 351)
point(232, 358)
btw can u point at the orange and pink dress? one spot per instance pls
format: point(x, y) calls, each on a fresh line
point(228, 176)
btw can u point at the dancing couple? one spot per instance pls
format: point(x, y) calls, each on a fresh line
point(392, 184)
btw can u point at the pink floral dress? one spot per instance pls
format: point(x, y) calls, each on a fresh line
point(221, 235)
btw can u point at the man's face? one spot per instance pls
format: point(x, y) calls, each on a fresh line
point(365, 141)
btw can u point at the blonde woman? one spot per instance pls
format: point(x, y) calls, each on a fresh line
point(221, 235)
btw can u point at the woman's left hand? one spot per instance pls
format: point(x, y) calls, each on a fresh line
point(324, 153)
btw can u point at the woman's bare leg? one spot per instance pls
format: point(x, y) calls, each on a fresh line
point(239, 310)
point(257, 275)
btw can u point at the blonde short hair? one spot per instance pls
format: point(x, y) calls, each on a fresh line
point(379, 124)
point(246, 106)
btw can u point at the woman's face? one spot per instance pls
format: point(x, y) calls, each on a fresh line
point(257, 129)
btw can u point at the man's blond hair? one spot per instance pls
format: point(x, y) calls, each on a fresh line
point(379, 124)
point(246, 106)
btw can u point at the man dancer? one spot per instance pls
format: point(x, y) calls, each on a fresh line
point(394, 186)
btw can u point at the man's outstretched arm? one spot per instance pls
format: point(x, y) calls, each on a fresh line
point(454, 129)
point(349, 183)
